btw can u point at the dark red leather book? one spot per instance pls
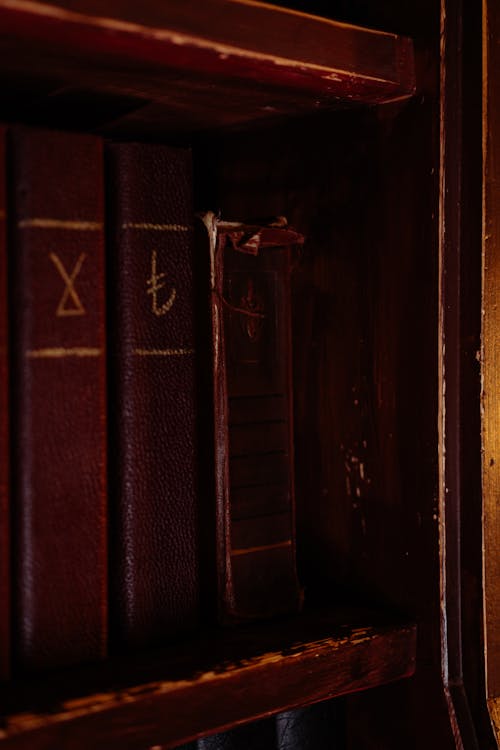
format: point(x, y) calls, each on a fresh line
point(59, 419)
point(5, 610)
point(155, 568)
point(253, 419)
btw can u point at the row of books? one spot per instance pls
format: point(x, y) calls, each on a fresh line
point(146, 403)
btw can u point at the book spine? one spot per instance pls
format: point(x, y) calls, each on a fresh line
point(5, 610)
point(317, 727)
point(155, 569)
point(256, 735)
point(59, 414)
point(253, 422)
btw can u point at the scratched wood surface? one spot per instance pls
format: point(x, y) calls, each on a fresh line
point(491, 351)
point(151, 66)
point(206, 685)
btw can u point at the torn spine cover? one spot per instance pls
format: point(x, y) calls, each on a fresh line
point(250, 267)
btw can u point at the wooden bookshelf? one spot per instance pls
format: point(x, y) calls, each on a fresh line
point(174, 71)
point(178, 67)
point(490, 359)
point(210, 683)
point(354, 135)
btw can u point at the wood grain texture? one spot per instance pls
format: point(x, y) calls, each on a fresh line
point(362, 187)
point(494, 708)
point(459, 374)
point(208, 685)
point(5, 572)
point(169, 55)
point(491, 347)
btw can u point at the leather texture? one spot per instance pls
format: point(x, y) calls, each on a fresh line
point(156, 551)
point(5, 611)
point(59, 440)
point(316, 727)
point(257, 735)
point(253, 421)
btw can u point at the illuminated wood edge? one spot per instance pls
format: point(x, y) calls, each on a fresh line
point(494, 709)
point(168, 712)
point(490, 360)
point(354, 63)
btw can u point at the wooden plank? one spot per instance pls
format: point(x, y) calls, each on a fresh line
point(242, 28)
point(201, 687)
point(269, 59)
point(460, 527)
point(490, 355)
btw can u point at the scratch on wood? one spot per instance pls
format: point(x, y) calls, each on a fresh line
point(77, 707)
point(179, 38)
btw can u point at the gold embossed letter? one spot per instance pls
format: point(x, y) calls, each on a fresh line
point(69, 293)
point(155, 283)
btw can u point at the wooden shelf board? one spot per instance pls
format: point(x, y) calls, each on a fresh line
point(207, 684)
point(233, 61)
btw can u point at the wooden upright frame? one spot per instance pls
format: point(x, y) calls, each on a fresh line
point(490, 354)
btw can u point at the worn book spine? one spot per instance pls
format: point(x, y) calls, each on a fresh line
point(156, 552)
point(317, 727)
point(59, 411)
point(253, 419)
point(5, 610)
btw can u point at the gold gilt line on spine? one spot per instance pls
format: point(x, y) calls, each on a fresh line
point(47, 223)
point(262, 548)
point(157, 227)
point(61, 352)
point(162, 352)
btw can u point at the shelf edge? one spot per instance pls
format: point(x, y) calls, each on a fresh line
point(170, 712)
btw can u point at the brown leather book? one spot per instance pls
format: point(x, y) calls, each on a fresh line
point(5, 611)
point(250, 268)
point(155, 555)
point(59, 413)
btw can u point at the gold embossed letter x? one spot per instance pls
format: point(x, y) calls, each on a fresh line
point(155, 283)
point(69, 294)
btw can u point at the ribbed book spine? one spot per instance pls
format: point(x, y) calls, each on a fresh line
point(253, 420)
point(156, 550)
point(5, 609)
point(59, 418)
